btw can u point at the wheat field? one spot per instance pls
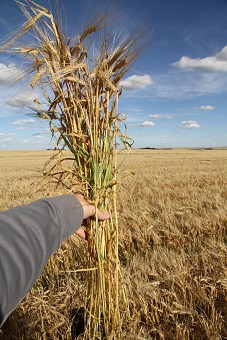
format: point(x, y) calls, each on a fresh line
point(173, 247)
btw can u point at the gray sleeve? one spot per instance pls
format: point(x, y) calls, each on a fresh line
point(29, 235)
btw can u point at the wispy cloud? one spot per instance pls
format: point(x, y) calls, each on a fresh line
point(136, 82)
point(154, 116)
point(23, 121)
point(21, 99)
point(161, 116)
point(186, 85)
point(38, 136)
point(169, 116)
point(216, 63)
point(190, 124)
point(6, 137)
point(9, 74)
point(21, 128)
point(24, 141)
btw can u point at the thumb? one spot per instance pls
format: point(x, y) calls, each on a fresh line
point(102, 215)
point(89, 209)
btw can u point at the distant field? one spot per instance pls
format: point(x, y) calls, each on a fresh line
point(173, 247)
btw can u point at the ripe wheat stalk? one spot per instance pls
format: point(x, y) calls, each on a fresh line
point(80, 94)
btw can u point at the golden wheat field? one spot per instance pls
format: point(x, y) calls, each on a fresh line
point(173, 248)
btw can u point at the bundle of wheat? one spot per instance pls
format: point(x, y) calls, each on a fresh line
point(81, 92)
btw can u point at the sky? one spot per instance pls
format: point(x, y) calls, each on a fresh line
point(175, 95)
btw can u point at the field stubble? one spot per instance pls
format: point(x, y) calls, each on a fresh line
point(173, 248)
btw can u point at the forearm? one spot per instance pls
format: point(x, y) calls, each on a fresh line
point(29, 235)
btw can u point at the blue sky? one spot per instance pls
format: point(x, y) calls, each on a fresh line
point(175, 94)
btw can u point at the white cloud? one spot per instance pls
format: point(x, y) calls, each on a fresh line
point(23, 121)
point(9, 74)
point(206, 107)
point(136, 82)
point(216, 63)
point(6, 137)
point(190, 124)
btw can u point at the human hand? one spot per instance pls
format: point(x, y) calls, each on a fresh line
point(89, 211)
